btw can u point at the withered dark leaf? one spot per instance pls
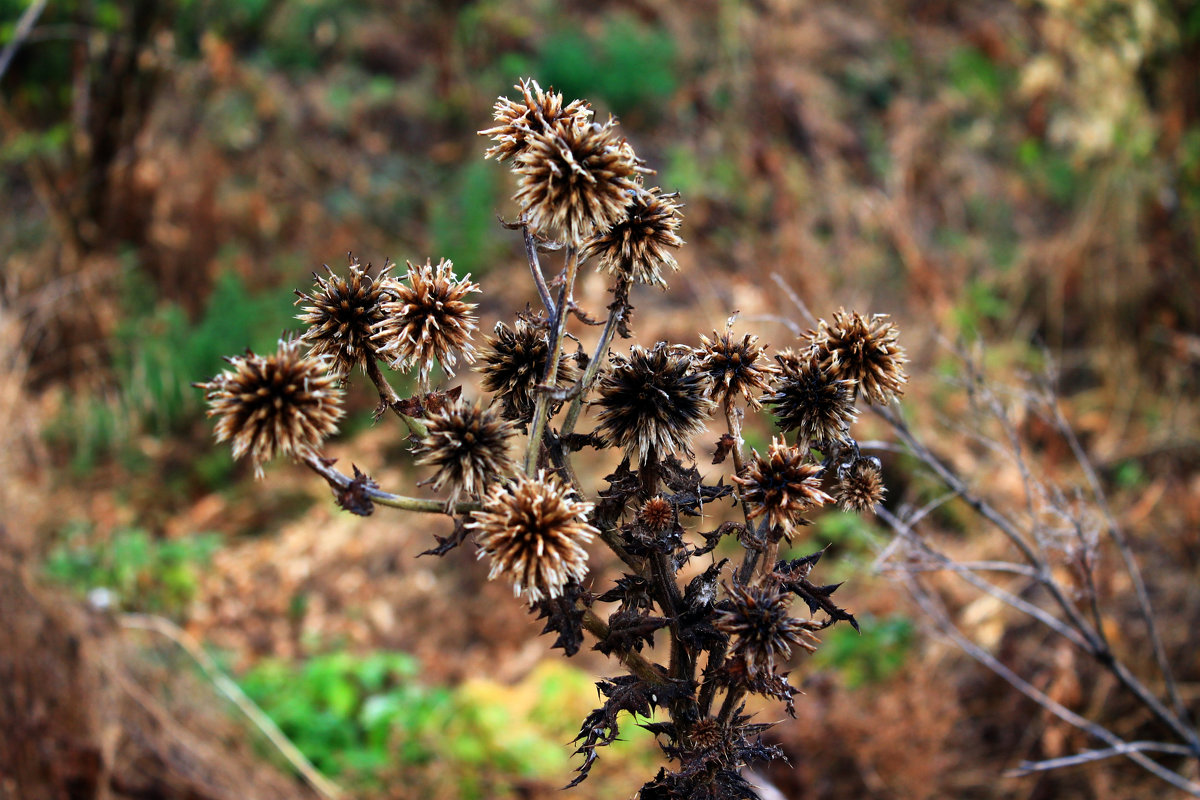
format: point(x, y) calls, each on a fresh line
point(629, 630)
point(631, 591)
point(817, 597)
point(724, 447)
point(713, 538)
point(447, 543)
point(564, 616)
point(354, 497)
point(611, 502)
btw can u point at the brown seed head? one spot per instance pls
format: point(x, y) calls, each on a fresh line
point(533, 114)
point(864, 351)
point(469, 446)
point(427, 319)
point(860, 484)
point(781, 486)
point(808, 399)
point(513, 365)
point(638, 246)
point(573, 179)
point(758, 617)
point(281, 404)
point(340, 315)
point(657, 513)
point(653, 402)
point(534, 532)
point(735, 366)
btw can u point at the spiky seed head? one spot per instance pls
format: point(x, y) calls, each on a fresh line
point(638, 246)
point(653, 402)
point(657, 513)
point(811, 401)
point(532, 114)
point(781, 486)
point(757, 617)
point(574, 179)
point(469, 446)
point(534, 532)
point(863, 350)
point(340, 314)
point(513, 365)
point(283, 404)
point(735, 366)
point(428, 318)
point(860, 484)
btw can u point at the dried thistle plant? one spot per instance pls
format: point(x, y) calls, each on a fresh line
point(691, 650)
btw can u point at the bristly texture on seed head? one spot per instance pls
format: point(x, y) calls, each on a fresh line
point(533, 114)
point(513, 365)
point(653, 402)
point(811, 401)
point(758, 618)
point(340, 315)
point(534, 532)
point(427, 319)
point(638, 246)
point(469, 446)
point(574, 179)
point(781, 486)
point(735, 366)
point(865, 351)
point(860, 484)
point(284, 404)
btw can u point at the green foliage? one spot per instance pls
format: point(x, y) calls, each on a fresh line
point(146, 574)
point(868, 657)
point(463, 220)
point(978, 78)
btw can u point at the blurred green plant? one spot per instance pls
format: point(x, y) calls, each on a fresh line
point(144, 574)
point(871, 656)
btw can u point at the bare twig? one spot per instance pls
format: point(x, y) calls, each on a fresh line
point(21, 33)
point(340, 480)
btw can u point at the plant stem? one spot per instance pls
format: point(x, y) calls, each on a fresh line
point(535, 268)
point(389, 398)
point(638, 665)
point(541, 411)
point(340, 480)
point(593, 369)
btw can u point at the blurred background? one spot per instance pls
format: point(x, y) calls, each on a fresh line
point(1021, 177)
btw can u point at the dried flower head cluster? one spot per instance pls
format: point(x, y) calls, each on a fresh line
point(428, 319)
point(735, 366)
point(534, 532)
point(653, 403)
point(762, 628)
point(638, 246)
point(534, 114)
point(781, 486)
point(863, 350)
point(810, 400)
point(283, 404)
point(341, 314)
point(469, 446)
point(859, 484)
point(514, 362)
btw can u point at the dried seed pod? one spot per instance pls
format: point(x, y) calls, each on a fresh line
point(284, 404)
point(735, 367)
point(533, 114)
point(534, 532)
point(653, 402)
point(340, 315)
point(860, 484)
point(427, 319)
point(574, 179)
point(469, 446)
point(638, 246)
point(758, 617)
point(514, 363)
point(657, 513)
point(808, 399)
point(781, 486)
point(865, 351)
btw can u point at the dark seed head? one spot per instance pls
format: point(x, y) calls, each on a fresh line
point(735, 366)
point(340, 314)
point(757, 618)
point(532, 114)
point(469, 446)
point(781, 486)
point(638, 246)
point(860, 484)
point(513, 365)
point(810, 400)
point(863, 350)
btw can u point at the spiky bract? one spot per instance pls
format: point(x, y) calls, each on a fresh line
point(426, 319)
point(757, 617)
point(533, 114)
point(534, 532)
point(653, 402)
point(469, 446)
point(514, 363)
point(638, 246)
point(860, 484)
point(781, 486)
point(810, 400)
point(863, 350)
point(340, 315)
point(284, 404)
point(735, 366)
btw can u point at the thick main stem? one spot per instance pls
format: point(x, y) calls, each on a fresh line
point(541, 410)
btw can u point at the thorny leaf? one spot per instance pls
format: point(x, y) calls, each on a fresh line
point(447, 543)
point(632, 591)
point(629, 630)
point(354, 498)
point(622, 485)
point(621, 302)
point(421, 406)
point(565, 616)
point(713, 770)
point(574, 442)
point(724, 446)
point(713, 538)
point(696, 630)
point(690, 493)
point(815, 597)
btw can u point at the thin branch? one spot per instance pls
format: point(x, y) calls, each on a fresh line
point(535, 269)
point(593, 369)
point(20, 33)
point(541, 411)
point(340, 480)
point(1088, 756)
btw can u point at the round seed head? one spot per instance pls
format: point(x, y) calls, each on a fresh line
point(284, 404)
point(532, 114)
point(574, 178)
point(469, 446)
point(781, 486)
point(735, 366)
point(860, 484)
point(758, 618)
point(513, 365)
point(653, 402)
point(657, 513)
point(638, 246)
point(534, 532)
point(340, 314)
point(808, 399)
point(428, 318)
point(864, 351)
